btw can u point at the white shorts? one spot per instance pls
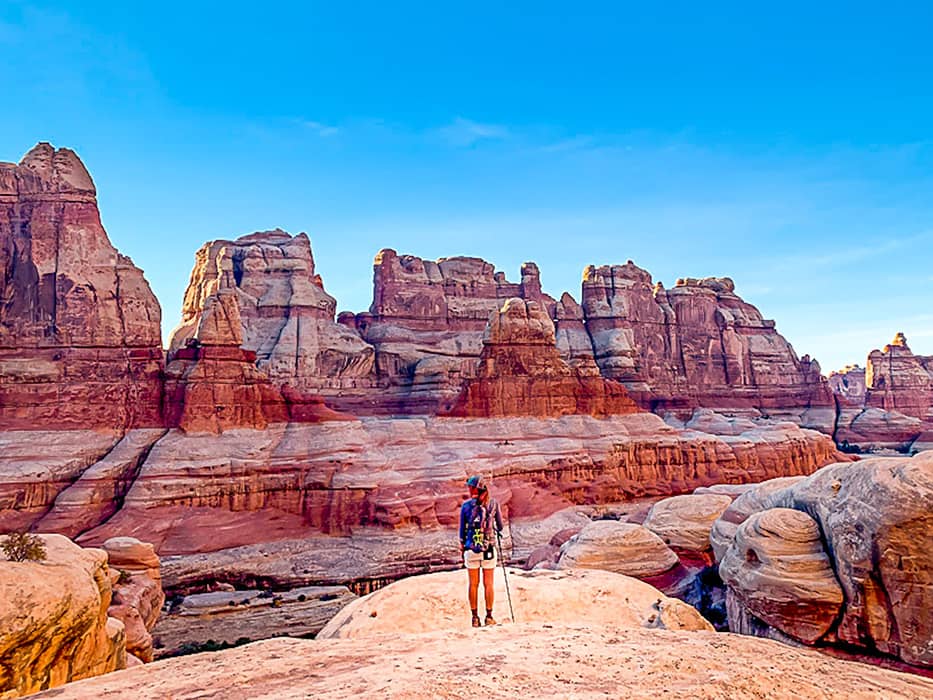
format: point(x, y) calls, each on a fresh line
point(474, 560)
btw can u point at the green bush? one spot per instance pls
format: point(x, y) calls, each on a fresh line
point(21, 546)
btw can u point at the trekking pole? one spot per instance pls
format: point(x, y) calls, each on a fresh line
point(505, 576)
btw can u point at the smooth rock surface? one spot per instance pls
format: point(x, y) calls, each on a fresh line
point(530, 660)
point(685, 521)
point(438, 602)
point(777, 567)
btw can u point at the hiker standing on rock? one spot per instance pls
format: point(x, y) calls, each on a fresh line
point(480, 523)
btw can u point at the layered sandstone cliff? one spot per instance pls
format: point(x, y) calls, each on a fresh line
point(285, 318)
point(80, 340)
point(521, 372)
point(427, 322)
point(697, 344)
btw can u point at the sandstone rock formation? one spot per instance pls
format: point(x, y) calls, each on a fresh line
point(436, 602)
point(137, 592)
point(212, 384)
point(898, 380)
point(427, 321)
point(234, 616)
point(684, 522)
point(521, 372)
point(338, 477)
point(53, 619)
point(624, 548)
point(80, 343)
point(285, 319)
point(849, 383)
point(778, 569)
point(875, 518)
point(697, 344)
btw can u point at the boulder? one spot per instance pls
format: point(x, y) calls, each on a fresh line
point(778, 569)
point(624, 548)
point(876, 519)
point(137, 592)
point(685, 521)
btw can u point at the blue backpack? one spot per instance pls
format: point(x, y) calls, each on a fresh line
point(475, 529)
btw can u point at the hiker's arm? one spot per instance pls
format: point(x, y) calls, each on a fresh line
point(462, 529)
point(498, 519)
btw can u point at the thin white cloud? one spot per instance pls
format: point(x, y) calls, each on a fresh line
point(466, 132)
point(321, 129)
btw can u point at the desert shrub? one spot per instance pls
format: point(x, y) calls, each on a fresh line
point(22, 546)
point(123, 578)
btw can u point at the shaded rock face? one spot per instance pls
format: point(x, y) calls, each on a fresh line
point(697, 344)
point(875, 518)
point(285, 318)
point(234, 616)
point(521, 372)
point(80, 340)
point(427, 322)
point(54, 618)
point(137, 591)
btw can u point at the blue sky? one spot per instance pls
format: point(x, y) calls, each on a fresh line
point(788, 147)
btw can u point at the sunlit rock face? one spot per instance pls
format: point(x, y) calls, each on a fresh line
point(80, 340)
point(697, 344)
point(898, 380)
point(889, 404)
point(54, 622)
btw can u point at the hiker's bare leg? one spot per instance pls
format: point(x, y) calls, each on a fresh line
point(474, 587)
point(488, 587)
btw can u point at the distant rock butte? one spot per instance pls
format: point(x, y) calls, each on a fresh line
point(889, 404)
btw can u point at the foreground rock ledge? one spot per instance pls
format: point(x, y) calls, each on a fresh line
point(525, 660)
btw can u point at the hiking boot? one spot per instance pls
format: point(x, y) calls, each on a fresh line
point(489, 621)
point(476, 620)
